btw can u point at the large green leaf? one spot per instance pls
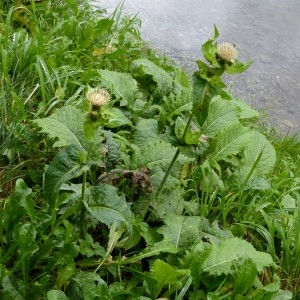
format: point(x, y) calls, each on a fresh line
point(268, 157)
point(181, 231)
point(176, 104)
point(146, 130)
point(221, 113)
point(116, 118)
point(122, 85)
point(106, 206)
point(65, 125)
point(69, 163)
point(159, 154)
point(246, 111)
point(222, 256)
point(231, 141)
point(163, 79)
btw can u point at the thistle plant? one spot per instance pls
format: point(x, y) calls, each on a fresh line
point(221, 58)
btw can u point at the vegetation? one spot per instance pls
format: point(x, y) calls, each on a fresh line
point(124, 178)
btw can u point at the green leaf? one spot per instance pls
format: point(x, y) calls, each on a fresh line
point(244, 275)
point(221, 113)
point(146, 130)
point(65, 125)
point(56, 295)
point(69, 163)
point(231, 141)
point(25, 236)
point(209, 49)
point(237, 67)
point(116, 118)
point(268, 157)
point(162, 78)
point(176, 104)
point(106, 206)
point(153, 250)
point(122, 85)
point(159, 154)
point(194, 260)
point(91, 286)
point(17, 204)
point(181, 231)
point(163, 274)
point(246, 111)
point(223, 256)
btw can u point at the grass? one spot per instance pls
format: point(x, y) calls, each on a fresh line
point(156, 194)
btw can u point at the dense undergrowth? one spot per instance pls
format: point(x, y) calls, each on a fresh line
point(124, 178)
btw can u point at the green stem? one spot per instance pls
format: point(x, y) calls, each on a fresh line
point(182, 139)
point(175, 155)
point(83, 209)
point(83, 192)
point(168, 172)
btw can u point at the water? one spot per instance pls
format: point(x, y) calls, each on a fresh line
point(266, 32)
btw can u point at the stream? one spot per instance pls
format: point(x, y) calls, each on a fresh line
point(266, 32)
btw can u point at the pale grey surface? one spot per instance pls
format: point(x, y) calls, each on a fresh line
point(265, 31)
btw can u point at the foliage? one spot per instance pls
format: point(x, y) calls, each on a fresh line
point(169, 190)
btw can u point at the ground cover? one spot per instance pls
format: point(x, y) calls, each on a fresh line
point(124, 178)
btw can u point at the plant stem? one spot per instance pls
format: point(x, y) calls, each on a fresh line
point(83, 192)
point(83, 209)
point(182, 139)
point(175, 155)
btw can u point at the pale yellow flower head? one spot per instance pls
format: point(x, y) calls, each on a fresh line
point(227, 52)
point(98, 97)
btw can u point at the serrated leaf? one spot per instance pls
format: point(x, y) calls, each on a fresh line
point(153, 250)
point(122, 85)
point(181, 231)
point(106, 206)
point(160, 154)
point(170, 200)
point(244, 275)
point(246, 111)
point(116, 118)
point(268, 157)
point(162, 78)
point(223, 256)
point(65, 125)
point(221, 113)
point(176, 104)
point(67, 164)
point(146, 130)
point(231, 141)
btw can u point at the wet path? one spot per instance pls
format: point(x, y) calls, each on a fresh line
point(267, 32)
